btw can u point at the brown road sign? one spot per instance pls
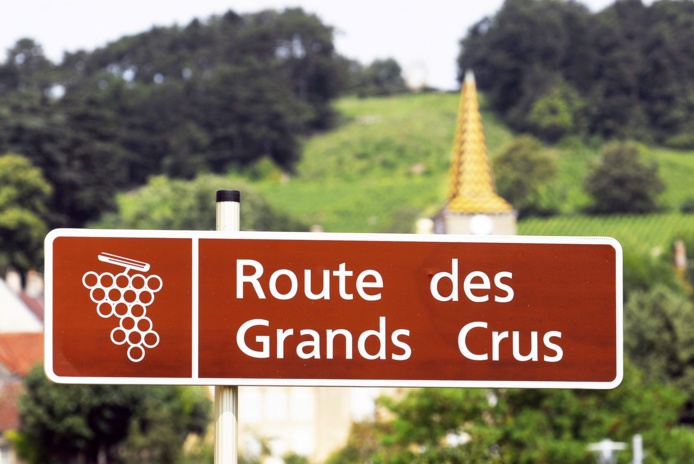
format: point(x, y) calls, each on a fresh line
point(151, 307)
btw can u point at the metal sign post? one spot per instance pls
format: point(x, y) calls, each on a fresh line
point(226, 397)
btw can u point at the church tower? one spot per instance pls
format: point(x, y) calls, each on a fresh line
point(472, 206)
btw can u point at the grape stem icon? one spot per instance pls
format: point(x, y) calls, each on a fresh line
point(127, 297)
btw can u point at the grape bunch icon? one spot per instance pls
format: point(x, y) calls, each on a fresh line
point(126, 296)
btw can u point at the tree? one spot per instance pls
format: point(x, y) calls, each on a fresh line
point(524, 173)
point(24, 194)
point(658, 339)
point(628, 65)
point(214, 95)
point(514, 63)
point(167, 204)
point(621, 183)
point(210, 97)
point(557, 113)
point(362, 444)
point(73, 145)
point(107, 423)
point(302, 49)
point(26, 68)
point(381, 77)
point(534, 425)
point(643, 271)
point(248, 115)
point(669, 92)
point(616, 108)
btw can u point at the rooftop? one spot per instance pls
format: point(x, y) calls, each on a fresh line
point(20, 352)
point(471, 188)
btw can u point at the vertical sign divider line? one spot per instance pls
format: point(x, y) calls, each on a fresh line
point(195, 308)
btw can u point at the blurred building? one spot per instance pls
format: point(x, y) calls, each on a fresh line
point(472, 205)
point(307, 421)
point(21, 347)
point(21, 309)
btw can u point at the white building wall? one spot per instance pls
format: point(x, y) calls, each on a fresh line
point(14, 315)
point(308, 421)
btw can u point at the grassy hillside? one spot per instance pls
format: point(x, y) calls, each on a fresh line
point(382, 168)
point(650, 234)
point(387, 164)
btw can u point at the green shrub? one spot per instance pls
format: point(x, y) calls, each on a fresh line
point(621, 183)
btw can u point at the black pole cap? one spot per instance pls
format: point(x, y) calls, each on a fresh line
point(228, 195)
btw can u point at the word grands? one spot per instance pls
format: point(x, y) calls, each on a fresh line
point(258, 338)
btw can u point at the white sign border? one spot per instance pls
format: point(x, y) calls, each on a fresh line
point(195, 236)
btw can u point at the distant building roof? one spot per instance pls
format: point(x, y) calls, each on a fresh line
point(9, 397)
point(35, 305)
point(16, 315)
point(471, 188)
point(20, 352)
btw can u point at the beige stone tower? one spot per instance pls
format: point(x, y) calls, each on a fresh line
point(472, 206)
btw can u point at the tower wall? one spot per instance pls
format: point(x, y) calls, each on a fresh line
point(447, 222)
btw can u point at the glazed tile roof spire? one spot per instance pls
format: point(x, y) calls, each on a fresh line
point(471, 189)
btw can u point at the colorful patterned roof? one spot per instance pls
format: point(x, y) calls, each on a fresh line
point(471, 188)
point(20, 352)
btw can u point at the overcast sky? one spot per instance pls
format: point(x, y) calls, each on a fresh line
point(422, 35)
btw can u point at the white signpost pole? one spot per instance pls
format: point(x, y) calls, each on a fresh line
point(226, 398)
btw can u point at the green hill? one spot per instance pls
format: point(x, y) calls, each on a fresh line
point(383, 167)
point(386, 165)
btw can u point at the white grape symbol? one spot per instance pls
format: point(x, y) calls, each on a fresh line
point(126, 297)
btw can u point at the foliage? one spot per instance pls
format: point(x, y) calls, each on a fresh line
point(380, 78)
point(621, 183)
point(397, 150)
point(514, 62)
point(383, 167)
point(166, 416)
point(26, 67)
point(557, 113)
point(246, 115)
point(683, 141)
point(524, 174)
point(625, 71)
point(466, 425)
point(23, 213)
point(687, 206)
point(658, 339)
point(74, 147)
point(642, 271)
point(61, 423)
point(362, 443)
point(166, 204)
point(214, 95)
point(293, 458)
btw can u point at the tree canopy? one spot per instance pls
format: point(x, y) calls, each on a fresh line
point(432, 425)
point(380, 78)
point(621, 183)
point(23, 213)
point(553, 68)
point(524, 175)
point(166, 204)
point(657, 339)
point(214, 95)
point(107, 423)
